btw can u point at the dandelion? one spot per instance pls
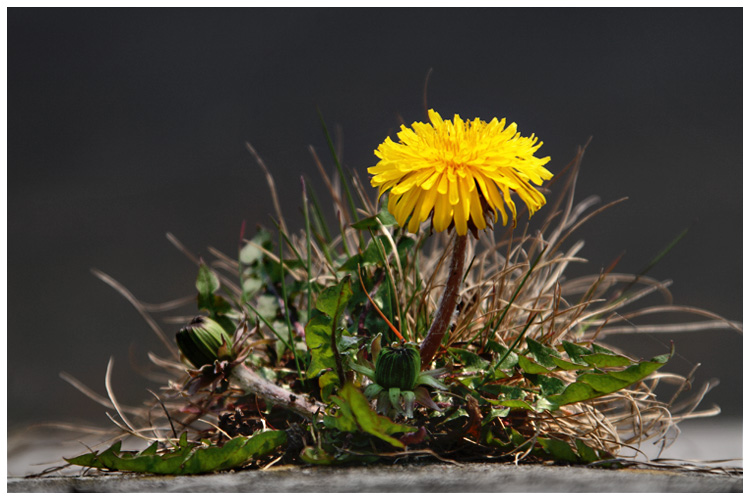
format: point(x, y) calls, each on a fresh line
point(453, 172)
point(459, 173)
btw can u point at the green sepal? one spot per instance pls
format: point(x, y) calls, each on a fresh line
point(398, 367)
point(204, 341)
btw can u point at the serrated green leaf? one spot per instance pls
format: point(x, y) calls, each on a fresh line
point(510, 360)
point(332, 300)
point(597, 349)
point(318, 340)
point(469, 360)
point(185, 458)
point(495, 413)
point(321, 330)
point(606, 360)
point(542, 354)
point(234, 453)
point(516, 403)
point(529, 366)
point(575, 351)
point(549, 385)
point(567, 365)
point(591, 385)
point(560, 450)
point(586, 453)
point(509, 392)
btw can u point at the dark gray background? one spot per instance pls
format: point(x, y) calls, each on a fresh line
point(124, 124)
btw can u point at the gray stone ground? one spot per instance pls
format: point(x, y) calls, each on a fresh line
point(432, 478)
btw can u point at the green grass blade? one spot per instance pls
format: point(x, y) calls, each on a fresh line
point(286, 303)
point(344, 180)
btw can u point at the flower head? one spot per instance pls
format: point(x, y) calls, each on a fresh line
point(458, 173)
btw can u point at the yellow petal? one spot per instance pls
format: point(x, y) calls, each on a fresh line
point(453, 191)
point(441, 219)
point(477, 215)
point(427, 204)
point(460, 217)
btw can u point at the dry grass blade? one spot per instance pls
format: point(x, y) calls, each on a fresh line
point(93, 395)
point(111, 395)
point(271, 186)
point(718, 321)
point(136, 303)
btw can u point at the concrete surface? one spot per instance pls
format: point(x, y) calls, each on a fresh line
point(442, 478)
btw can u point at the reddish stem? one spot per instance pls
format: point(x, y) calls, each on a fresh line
point(448, 301)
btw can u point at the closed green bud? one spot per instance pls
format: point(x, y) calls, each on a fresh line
point(200, 342)
point(398, 367)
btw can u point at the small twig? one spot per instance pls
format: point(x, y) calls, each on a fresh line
point(253, 383)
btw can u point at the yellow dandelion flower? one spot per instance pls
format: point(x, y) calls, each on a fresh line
point(458, 173)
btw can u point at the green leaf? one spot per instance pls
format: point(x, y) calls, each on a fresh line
point(531, 367)
point(549, 385)
point(250, 253)
point(251, 286)
point(509, 392)
point(354, 414)
point(234, 453)
point(371, 255)
point(590, 385)
point(606, 360)
point(332, 300)
point(495, 413)
point(383, 217)
point(318, 340)
point(586, 453)
point(575, 351)
point(560, 450)
point(207, 282)
point(321, 330)
point(469, 360)
point(542, 354)
point(284, 337)
point(328, 382)
point(267, 306)
point(185, 458)
point(567, 365)
point(597, 349)
point(511, 358)
point(517, 403)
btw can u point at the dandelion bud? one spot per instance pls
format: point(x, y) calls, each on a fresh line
point(202, 340)
point(398, 367)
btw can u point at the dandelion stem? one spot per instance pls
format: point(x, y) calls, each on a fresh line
point(447, 305)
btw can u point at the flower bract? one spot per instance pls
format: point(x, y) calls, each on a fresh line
point(459, 173)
